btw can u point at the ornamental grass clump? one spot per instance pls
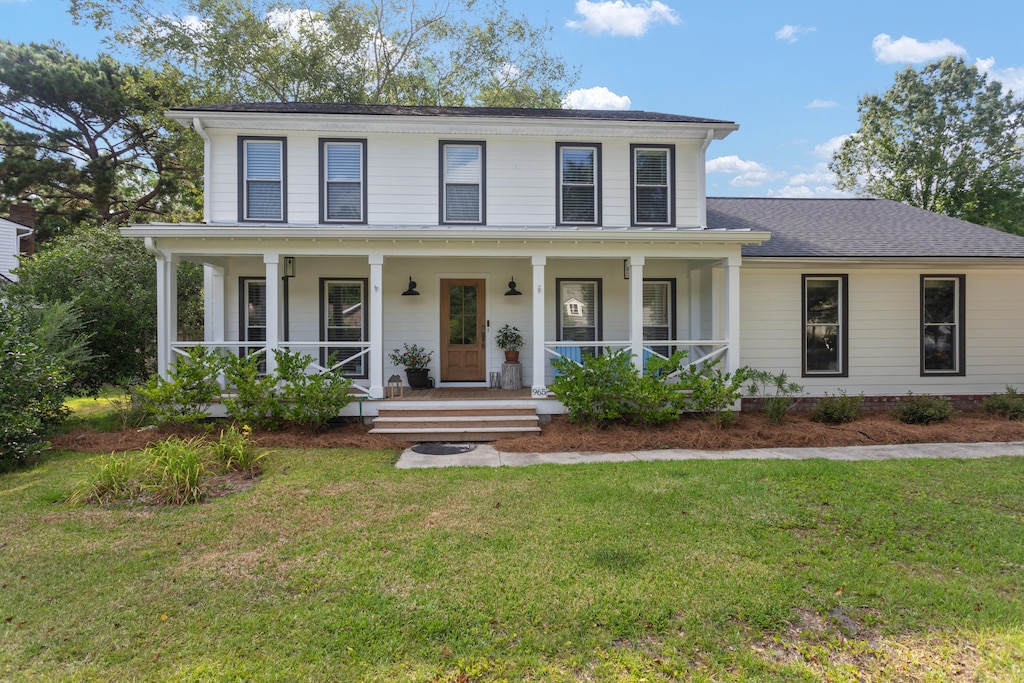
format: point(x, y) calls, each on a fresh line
point(236, 452)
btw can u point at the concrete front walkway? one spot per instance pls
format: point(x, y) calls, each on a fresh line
point(485, 455)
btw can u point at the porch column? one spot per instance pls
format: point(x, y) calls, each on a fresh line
point(272, 263)
point(376, 355)
point(732, 312)
point(213, 303)
point(166, 313)
point(636, 311)
point(539, 388)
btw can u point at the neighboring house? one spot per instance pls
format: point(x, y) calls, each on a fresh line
point(11, 235)
point(322, 221)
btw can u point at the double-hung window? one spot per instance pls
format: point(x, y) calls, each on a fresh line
point(579, 184)
point(262, 194)
point(652, 188)
point(659, 321)
point(825, 325)
point(942, 325)
point(342, 181)
point(463, 175)
point(344, 319)
point(579, 312)
point(253, 315)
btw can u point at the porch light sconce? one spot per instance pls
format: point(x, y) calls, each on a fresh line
point(411, 291)
point(512, 291)
point(625, 269)
point(289, 266)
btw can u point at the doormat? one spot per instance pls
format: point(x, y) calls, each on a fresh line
point(443, 448)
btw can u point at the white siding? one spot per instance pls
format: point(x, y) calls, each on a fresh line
point(9, 249)
point(884, 329)
point(402, 178)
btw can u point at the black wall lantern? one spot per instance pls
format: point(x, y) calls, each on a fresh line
point(512, 291)
point(411, 291)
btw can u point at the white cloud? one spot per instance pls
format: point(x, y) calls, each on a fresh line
point(1011, 78)
point(827, 149)
point(805, 192)
point(822, 104)
point(296, 22)
point(911, 50)
point(621, 18)
point(599, 97)
point(745, 173)
point(791, 33)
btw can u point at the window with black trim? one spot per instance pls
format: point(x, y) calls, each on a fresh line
point(579, 312)
point(262, 179)
point(343, 304)
point(825, 324)
point(342, 181)
point(579, 184)
point(652, 186)
point(659, 314)
point(942, 325)
point(252, 314)
point(463, 179)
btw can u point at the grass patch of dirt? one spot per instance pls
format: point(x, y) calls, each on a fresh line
point(751, 430)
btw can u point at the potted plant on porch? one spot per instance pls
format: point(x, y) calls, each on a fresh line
point(509, 340)
point(416, 361)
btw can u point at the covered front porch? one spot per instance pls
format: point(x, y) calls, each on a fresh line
point(348, 303)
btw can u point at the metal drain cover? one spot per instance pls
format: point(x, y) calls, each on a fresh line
point(443, 448)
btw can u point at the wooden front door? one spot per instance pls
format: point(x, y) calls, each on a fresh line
point(463, 338)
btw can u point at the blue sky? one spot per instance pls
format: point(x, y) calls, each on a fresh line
point(788, 72)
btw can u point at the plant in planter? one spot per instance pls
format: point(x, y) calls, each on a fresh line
point(510, 340)
point(416, 361)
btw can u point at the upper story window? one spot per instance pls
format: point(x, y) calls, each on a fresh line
point(262, 194)
point(579, 184)
point(652, 187)
point(825, 325)
point(343, 181)
point(942, 325)
point(462, 183)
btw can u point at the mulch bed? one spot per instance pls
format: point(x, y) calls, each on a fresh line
point(750, 430)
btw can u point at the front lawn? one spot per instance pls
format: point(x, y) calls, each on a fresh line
point(336, 566)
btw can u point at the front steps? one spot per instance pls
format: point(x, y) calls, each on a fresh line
point(489, 422)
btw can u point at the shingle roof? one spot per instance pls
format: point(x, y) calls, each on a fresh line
point(837, 228)
point(481, 112)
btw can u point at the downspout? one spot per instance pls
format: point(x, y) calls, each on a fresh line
point(197, 126)
point(702, 176)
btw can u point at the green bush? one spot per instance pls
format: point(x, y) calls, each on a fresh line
point(1009, 404)
point(839, 409)
point(777, 393)
point(923, 409)
point(254, 400)
point(712, 392)
point(309, 400)
point(608, 388)
point(33, 385)
point(190, 387)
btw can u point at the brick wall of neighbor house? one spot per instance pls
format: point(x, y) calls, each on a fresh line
point(876, 404)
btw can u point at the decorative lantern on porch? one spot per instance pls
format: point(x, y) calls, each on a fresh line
point(395, 387)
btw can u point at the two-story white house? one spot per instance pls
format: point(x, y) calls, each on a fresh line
point(345, 231)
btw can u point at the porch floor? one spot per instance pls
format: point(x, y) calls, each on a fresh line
point(463, 394)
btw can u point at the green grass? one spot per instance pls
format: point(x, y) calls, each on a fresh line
point(336, 566)
point(109, 411)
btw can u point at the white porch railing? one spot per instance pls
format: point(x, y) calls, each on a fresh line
point(311, 348)
point(698, 350)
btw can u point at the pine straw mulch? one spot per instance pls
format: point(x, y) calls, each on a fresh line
point(750, 430)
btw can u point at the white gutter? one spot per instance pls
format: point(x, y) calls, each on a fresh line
point(197, 126)
point(702, 179)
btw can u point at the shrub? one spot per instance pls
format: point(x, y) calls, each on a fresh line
point(712, 391)
point(33, 384)
point(309, 400)
point(1009, 404)
point(838, 409)
point(191, 385)
point(255, 401)
point(923, 409)
point(777, 393)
